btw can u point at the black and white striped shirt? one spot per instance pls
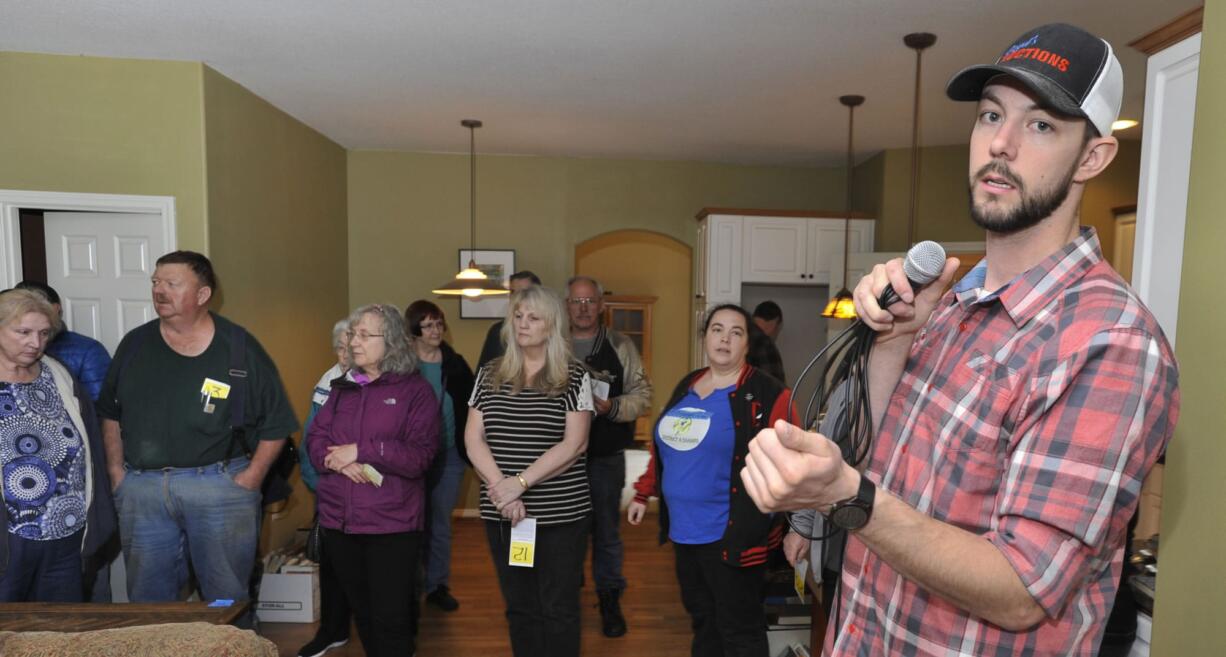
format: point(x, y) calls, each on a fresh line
point(520, 428)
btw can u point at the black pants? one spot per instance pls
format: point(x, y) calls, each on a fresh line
point(724, 603)
point(376, 572)
point(333, 603)
point(542, 601)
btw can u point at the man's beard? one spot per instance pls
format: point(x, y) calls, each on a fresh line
point(1032, 209)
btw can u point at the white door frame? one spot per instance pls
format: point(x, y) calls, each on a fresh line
point(12, 201)
point(1162, 194)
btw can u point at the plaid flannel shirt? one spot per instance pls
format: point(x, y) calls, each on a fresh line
point(1028, 416)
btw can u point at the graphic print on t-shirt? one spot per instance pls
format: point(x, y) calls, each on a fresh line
point(684, 429)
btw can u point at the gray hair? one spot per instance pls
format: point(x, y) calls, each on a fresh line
point(400, 357)
point(15, 304)
point(339, 329)
point(586, 279)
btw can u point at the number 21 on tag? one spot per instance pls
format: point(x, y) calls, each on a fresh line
point(523, 543)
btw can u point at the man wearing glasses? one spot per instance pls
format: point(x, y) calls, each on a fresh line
point(185, 466)
point(617, 371)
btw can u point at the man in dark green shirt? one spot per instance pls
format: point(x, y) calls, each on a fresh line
point(181, 475)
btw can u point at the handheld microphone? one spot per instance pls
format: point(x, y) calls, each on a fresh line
point(840, 404)
point(922, 266)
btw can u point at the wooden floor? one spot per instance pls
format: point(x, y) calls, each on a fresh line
point(658, 625)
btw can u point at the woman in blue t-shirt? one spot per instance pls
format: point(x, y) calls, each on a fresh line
point(720, 537)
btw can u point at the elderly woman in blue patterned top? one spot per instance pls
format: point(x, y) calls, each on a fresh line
point(57, 495)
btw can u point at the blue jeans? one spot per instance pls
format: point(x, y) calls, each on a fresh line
point(606, 476)
point(42, 571)
point(171, 515)
point(444, 483)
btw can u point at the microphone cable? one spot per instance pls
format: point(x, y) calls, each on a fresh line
point(842, 366)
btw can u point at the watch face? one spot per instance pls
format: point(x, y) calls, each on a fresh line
point(849, 517)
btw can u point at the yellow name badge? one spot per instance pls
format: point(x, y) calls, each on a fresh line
point(523, 543)
point(799, 576)
point(215, 389)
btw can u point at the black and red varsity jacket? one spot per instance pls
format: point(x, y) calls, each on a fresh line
point(757, 402)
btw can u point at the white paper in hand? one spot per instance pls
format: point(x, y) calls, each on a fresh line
point(600, 389)
point(372, 474)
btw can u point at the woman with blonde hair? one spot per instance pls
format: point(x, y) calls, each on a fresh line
point(527, 435)
point(56, 489)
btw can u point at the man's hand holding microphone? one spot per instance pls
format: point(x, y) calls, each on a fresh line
point(789, 468)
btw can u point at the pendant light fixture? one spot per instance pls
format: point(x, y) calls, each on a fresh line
point(918, 41)
point(471, 282)
point(841, 305)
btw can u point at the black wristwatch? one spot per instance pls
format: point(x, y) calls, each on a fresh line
point(853, 513)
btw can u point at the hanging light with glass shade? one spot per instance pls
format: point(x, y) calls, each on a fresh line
point(841, 305)
point(471, 282)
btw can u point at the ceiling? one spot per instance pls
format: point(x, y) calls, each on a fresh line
point(736, 81)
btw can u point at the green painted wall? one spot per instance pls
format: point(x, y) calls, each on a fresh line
point(112, 126)
point(408, 214)
point(868, 186)
point(1191, 597)
point(277, 226)
point(883, 188)
point(261, 193)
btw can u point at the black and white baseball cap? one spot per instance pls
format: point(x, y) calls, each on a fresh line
point(1073, 71)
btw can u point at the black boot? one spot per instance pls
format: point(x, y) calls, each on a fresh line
point(612, 623)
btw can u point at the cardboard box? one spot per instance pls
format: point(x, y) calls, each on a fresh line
point(289, 598)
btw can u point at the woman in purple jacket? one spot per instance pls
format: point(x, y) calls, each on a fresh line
point(372, 443)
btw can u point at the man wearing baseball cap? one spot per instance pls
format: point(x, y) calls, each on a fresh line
point(1018, 412)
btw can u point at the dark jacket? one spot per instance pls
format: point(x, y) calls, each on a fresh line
point(764, 354)
point(394, 420)
point(616, 361)
point(458, 382)
point(100, 518)
point(493, 347)
point(757, 402)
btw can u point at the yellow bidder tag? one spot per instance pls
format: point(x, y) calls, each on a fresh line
point(522, 554)
point(215, 389)
point(523, 543)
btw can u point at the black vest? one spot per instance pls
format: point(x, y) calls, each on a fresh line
point(607, 437)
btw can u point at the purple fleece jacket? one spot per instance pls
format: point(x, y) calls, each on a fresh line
point(395, 422)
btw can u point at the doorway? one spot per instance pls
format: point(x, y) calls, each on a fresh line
point(97, 251)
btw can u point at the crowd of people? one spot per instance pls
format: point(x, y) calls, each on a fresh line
point(1017, 415)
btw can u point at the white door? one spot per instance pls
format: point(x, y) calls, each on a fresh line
point(723, 259)
point(826, 248)
point(826, 251)
point(1125, 241)
point(1166, 161)
point(775, 251)
point(100, 263)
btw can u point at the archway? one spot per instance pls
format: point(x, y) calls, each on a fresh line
point(641, 262)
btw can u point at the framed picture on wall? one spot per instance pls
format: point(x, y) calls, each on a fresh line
point(498, 265)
